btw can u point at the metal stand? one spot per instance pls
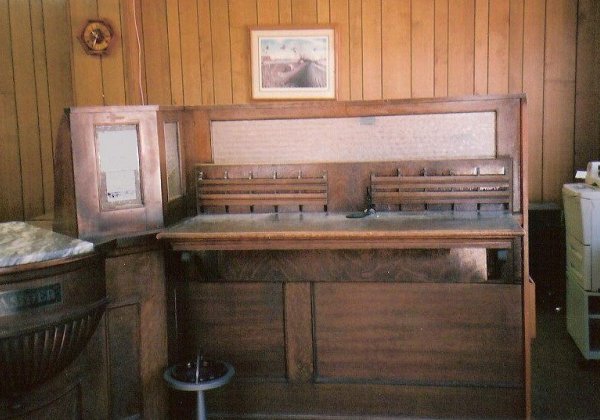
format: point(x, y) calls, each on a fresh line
point(199, 387)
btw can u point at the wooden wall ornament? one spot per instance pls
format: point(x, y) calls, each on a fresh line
point(96, 37)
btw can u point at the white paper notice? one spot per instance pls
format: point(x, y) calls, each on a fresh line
point(118, 158)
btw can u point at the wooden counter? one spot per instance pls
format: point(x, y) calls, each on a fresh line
point(422, 309)
point(321, 314)
point(336, 231)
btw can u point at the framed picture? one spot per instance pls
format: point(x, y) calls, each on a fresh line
point(293, 63)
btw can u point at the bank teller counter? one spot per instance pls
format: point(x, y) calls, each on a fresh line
point(389, 314)
point(316, 305)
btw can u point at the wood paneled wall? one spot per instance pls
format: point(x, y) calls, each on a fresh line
point(196, 52)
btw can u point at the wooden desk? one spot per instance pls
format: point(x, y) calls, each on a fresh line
point(422, 309)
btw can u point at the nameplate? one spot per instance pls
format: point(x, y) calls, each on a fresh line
point(15, 301)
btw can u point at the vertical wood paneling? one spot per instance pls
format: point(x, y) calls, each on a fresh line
point(195, 52)
point(499, 45)
point(422, 48)
point(133, 52)
point(58, 59)
point(156, 53)
point(206, 54)
point(339, 17)
point(242, 14)
point(441, 48)
point(396, 48)
point(26, 102)
point(219, 22)
point(482, 25)
point(267, 12)
point(43, 102)
point(113, 75)
point(559, 96)
point(587, 99)
point(285, 11)
point(124, 355)
point(298, 331)
point(461, 54)
point(304, 12)
point(175, 69)
point(533, 85)
point(11, 204)
point(515, 61)
point(323, 11)
point(87, 70)
point(371, 40)
point(190, 54)
point(356, 49)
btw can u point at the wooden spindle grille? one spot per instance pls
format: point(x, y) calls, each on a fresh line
point(479, 183)
point(251, 192)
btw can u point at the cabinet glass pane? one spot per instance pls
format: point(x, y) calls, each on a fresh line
point(117, 149)
point(174, 189)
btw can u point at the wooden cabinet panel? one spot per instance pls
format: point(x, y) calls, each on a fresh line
point(426, 334)
point(124, 359)
point(133, 342)
point(343, 401)
point(239, 323)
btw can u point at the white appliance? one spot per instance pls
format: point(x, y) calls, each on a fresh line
point(582, 221)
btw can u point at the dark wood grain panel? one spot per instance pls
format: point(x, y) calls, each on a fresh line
point(240, 400)
point(240, 323)
point(135, 276)
point(124, 358)
point(298, 332)
point(414, 265)
point(426, 334)
point(60, 398)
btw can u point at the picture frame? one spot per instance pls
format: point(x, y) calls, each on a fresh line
point(293, 62)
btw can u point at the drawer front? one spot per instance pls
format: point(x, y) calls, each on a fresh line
point(579, 262)
point(580, 218)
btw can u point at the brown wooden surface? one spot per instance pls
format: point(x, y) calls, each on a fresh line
point(27, 109)
point(367, 302)
point(458, 265)
point(507, 109)
point(337, 343)
point(587, 125)
point(298, 331)
point(78, 208)
point(419, 334)
point(174, 209)
point(190, 67)
point(239, 323)
point(124, 360)
point(59, 398)
point(343, 401)
point(82, 287)
point(135, 336)
point(336, 231)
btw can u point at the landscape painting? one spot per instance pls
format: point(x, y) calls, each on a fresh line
point(293, 63)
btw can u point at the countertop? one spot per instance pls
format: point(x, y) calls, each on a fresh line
point(22, 243)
